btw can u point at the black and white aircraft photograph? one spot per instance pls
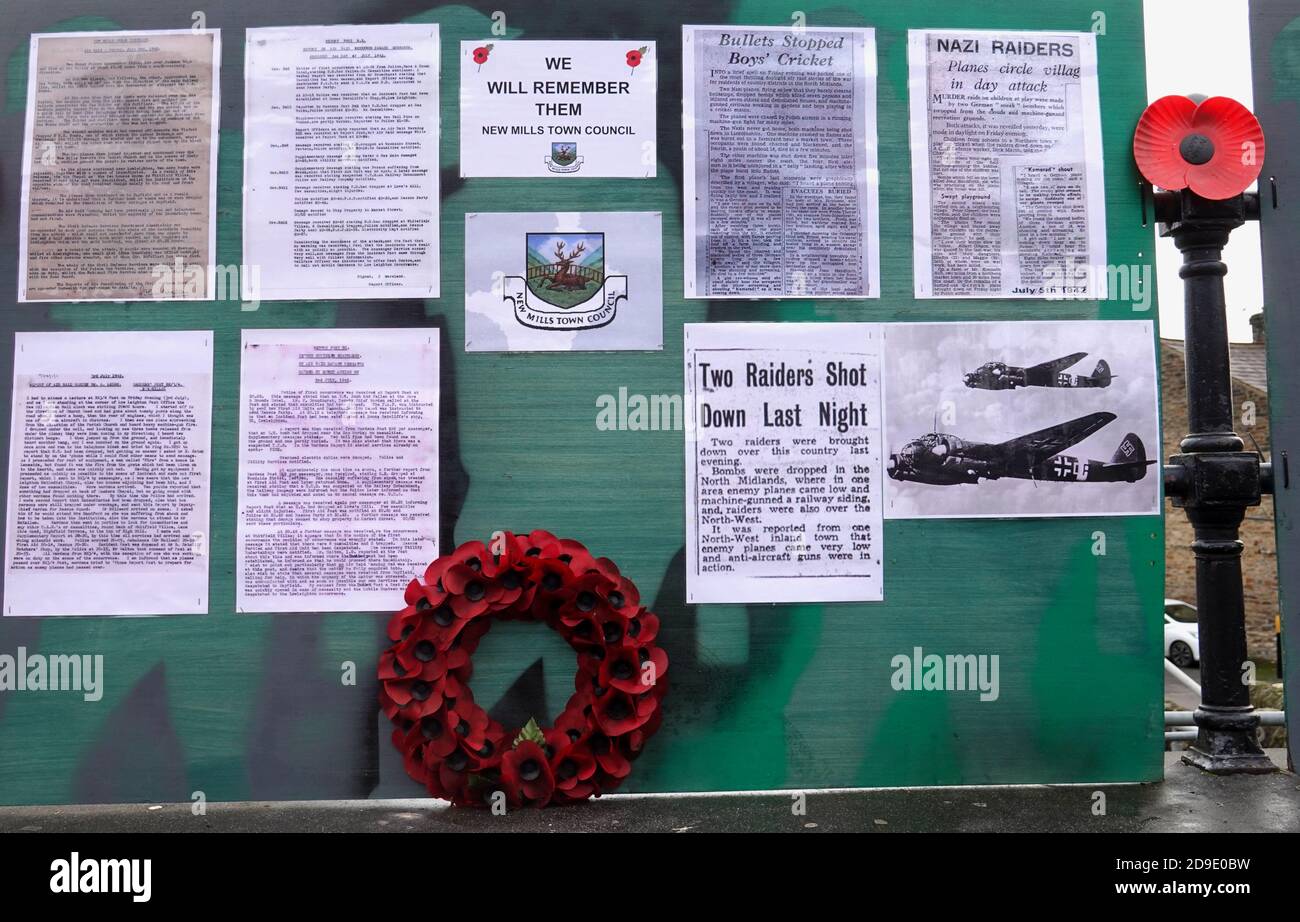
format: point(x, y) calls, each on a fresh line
point(999, 376)
point(940, 458)
point(986, 419)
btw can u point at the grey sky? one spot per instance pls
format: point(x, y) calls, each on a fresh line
point(1203, 46)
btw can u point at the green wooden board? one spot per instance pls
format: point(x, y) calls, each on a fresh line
point(788, 696)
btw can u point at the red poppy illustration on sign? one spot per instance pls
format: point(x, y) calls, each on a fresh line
point(634, 56)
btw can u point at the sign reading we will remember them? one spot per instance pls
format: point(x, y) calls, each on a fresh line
point(557, 109)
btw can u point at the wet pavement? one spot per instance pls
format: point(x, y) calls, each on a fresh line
point(1187, 801)
point(1179, 695)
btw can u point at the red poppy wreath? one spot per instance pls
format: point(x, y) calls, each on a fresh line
point(450, 744)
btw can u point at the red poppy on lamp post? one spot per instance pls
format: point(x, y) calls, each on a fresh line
point(1203, 154)
point(1214, 147)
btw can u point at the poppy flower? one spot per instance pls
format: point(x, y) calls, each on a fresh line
point(590, 659)
point(440, 626)
point(643, 627)
point(464, 644)
point(389, 667)
point(556, 739)
point(618, 712)
point(413, 761)
point(395, 671)
point(634, 56)
point(422, 602)
point(434, 734)
point(488, 753)
point(581, 635)
point(453, 776)
point(469, 722)
point(612, 629)
point(402, 623)
point(481, 55)
point(572, 726)
point(531, 544)
point(501, 552)
point(572, 554)
point(470, 593)
point(472, 554)
point(526, 769)
point(623, 597)
point(608, 756)
point(517, 587)
point(390, 707)
point(429, 593)
point(415, 696)
point(584, 597)
point(551, 577)
point(1215, 147)
point(633, 669)
point(457, 657)
point(577, 710)
point(420, 653)
point(572, 765)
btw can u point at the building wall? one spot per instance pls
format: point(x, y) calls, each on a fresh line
point(1259, 553)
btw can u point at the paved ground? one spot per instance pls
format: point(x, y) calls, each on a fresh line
point(1180, 695)
point(1187, 801)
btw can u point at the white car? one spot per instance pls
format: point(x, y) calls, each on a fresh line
point(1182, 639)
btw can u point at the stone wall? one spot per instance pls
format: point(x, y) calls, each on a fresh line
point(1259, 555)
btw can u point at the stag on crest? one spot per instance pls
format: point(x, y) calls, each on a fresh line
point(564, 278)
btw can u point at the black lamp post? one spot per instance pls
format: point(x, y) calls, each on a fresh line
point(1212, 478)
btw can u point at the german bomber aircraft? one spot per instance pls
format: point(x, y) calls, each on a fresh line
point(999, 376)
point(939, 458)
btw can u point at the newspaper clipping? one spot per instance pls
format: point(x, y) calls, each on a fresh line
point(1007, 190)
point(781, 179)
point(783, 467)
point(119, 167)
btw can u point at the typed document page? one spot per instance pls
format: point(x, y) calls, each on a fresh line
point(119, 167)
point(341, 163)
point(781, 182)
point(1007, 192)
point(109, 467)
point(783, 473)
point(338, 467)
